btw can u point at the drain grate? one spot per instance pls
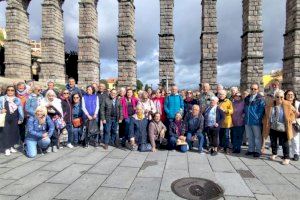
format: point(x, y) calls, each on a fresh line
point(197, 189)
point(245, 173)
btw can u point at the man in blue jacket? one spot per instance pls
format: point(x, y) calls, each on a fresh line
point(173, 104)
point(254, 111)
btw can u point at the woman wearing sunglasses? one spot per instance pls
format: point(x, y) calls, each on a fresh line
point(278, 119)
point(11, 105)
point(34, 100)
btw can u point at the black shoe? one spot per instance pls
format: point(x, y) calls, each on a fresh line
point(296, 157)
point(249, 153)
point(256, 155)
point(236, 151)
point(214, 153)
point(211, 151)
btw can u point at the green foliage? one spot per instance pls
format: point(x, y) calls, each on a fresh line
point(104, 82)
point(139, 85)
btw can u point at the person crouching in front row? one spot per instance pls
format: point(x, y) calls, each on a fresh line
point(40, 129)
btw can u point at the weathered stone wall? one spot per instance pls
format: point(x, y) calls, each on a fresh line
point(209, 43)
point(17, 45)
point(166, 42)
point(53, 53)
point(252, 44)
point(291, 60)
point(127, 73)
point(88, 43)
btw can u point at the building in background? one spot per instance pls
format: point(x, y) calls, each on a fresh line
point(111, 83)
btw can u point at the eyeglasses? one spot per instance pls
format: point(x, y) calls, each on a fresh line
point(279, 97)
point(253, 89)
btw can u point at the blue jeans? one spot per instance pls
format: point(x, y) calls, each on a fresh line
point(237, 137)
point(224, 137)
point(76, 134)
point(254, 138)
point(110, 131)
point(200, 140)
point(173, 146)
point(69, 128)
point(31, 146)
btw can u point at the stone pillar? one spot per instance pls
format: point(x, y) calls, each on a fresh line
point(252, 44)
point(291, 60)
point(88, 43)
point(53, 52)
point(209, 43)
point(17, 45)
point(127, 74)
point(166, 42)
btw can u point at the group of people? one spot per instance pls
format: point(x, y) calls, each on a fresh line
point(47, 120)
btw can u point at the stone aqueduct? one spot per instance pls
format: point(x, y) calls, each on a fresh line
point(18, 58)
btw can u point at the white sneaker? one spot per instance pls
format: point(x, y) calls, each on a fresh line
point(48, 150)
point(7, 152)
point(54, 149)
point(13, 150)
point(69, 145)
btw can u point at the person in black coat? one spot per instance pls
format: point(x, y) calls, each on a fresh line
point(68, 116)
point(111, 115)
point(194, 124)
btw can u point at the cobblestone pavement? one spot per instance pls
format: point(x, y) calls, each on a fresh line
point(94, 174)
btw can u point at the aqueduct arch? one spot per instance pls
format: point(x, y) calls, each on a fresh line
point(17, 54)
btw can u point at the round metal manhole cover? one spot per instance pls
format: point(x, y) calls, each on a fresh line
point(197, 189)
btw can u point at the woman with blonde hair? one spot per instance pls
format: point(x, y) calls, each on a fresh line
point(40, 129)
point(277, 122)
point(55, 112)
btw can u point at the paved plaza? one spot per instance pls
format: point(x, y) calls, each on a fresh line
point(114, 174)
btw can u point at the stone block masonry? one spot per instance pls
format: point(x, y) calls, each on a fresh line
point(252, 44)
point(291, 60)
point(209, 43)
point(166, 42)
point(53, 53)
point(127, 73)
point(88, 43)
point(17, 45)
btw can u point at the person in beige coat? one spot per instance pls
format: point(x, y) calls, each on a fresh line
point(277, 123)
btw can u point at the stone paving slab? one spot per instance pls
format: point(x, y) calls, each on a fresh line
point(4, 197)
point(83, 187)
point(152, 169)
point(122, 177)
point(144, 188)
point(23, 170)
point(286, 192)
point(170, 176)
point(105, 166)
point(27, 183)
point(134, 160)
point(45, 191)
point(107, 193)
point(70, 174)
point(5, 182)
point(233, 184)
point(95, 173)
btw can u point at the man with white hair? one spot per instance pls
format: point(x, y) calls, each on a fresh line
point(205, 96)
point(173, 104)
point(219, 88)
point(254, 111)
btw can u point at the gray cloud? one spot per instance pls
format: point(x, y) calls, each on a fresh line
point(187, 28)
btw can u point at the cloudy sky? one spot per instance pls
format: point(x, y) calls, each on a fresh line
point(187, 26)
